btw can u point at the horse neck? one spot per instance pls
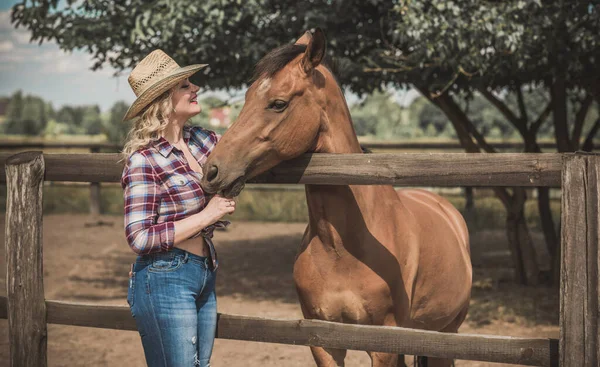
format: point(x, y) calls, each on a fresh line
point(336, 211)
point(337, 132)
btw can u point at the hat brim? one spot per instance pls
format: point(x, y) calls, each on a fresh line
point(159, 87)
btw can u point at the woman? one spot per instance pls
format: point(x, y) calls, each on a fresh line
point(168, 219)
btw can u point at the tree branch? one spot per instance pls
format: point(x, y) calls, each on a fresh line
point(535, 126)
point(456, 117)
point(588, 145)
point(521, 102)
point(503, 108)
point(579, 120)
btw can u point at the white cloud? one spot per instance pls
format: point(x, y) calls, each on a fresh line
point(7, 67)
point(58, 61)
point(6, 46)
point(21, 36)
point(17, 54)
point(53, 74)
point(5, 21)
point(8, 31)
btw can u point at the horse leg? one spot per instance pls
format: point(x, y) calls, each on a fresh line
point(401, 361)
point(383, 359)
point(451, 328)
point(328, 357)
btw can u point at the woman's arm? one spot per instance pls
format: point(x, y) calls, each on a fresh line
point(216, 208)
point(141, 192)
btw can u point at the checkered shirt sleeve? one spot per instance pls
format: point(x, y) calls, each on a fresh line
point(141, 194)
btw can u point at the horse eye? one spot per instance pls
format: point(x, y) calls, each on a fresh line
point(278, 105)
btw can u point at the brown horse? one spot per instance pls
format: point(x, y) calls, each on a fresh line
point(370, 254)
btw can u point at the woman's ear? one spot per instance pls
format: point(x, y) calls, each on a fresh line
point(315, 51)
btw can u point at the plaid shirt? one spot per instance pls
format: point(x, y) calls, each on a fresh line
point(159, 187)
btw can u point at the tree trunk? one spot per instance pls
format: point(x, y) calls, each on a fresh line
point(588, 145)
point(519, 239)
point(549, 231)
point(469, 202)
point(559, 113)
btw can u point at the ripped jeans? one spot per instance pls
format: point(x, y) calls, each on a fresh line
point(173, 301)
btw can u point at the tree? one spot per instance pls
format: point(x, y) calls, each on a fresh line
point(115, 128)
point(192, 33)
point(72, 116)
point(91, 120)
point(50, 113)
point(498, 48)
point(25, 115)
point(432, 119)
point(14, 114)
point(34, 118)
point(383, 117)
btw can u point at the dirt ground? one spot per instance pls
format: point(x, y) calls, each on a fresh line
point(89, 264)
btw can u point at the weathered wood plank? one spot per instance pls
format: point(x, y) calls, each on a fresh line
point(446, 145)
point(24, 271)
point(100, 316)
point(14, 144)
point(402, 169)
point(525, 351)
point(579, 342)
point(534, 352)
point(391, 145)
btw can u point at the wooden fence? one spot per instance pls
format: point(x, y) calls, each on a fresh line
point(16, 146)
point(387, 146)
point(28, 311)
point(392, 145)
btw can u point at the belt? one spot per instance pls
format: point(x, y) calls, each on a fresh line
point(211, 248)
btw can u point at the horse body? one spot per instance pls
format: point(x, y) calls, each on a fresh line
point(370, 254)
point(392, 258)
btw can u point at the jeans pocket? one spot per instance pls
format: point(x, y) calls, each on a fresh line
point(164, 264)
point(131, 290)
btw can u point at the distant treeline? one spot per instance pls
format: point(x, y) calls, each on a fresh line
point(378, 116)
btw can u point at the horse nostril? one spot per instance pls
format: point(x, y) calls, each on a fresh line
point(213, 171)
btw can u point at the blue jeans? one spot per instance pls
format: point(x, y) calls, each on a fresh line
point(173, 301)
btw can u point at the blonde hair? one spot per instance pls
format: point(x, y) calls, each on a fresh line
point(153, 119)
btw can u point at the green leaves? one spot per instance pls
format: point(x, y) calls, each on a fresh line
point(437, 43)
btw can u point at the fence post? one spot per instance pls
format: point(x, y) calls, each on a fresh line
point(95, 191)
point(27, 332)
point(579, 346)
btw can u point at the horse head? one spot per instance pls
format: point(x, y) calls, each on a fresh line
point(282, 117)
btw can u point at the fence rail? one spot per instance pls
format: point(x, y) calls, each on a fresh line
point(387, 145)
point(578, 174)
point(486, 348)
point(401, 169)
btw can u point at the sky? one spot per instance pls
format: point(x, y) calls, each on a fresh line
point(56, 76)
point(65, 78)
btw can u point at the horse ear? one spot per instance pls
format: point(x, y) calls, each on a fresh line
point(304, 39)
point(315, 51)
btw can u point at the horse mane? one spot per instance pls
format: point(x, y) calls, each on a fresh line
point(278, 58)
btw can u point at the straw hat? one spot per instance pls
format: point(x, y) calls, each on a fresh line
point(153, 76)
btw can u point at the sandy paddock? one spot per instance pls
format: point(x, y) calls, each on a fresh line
point(86, 262)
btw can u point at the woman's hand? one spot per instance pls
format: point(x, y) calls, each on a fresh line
point(217, 207)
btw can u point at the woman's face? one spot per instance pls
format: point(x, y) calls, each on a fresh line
point(184, 100)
